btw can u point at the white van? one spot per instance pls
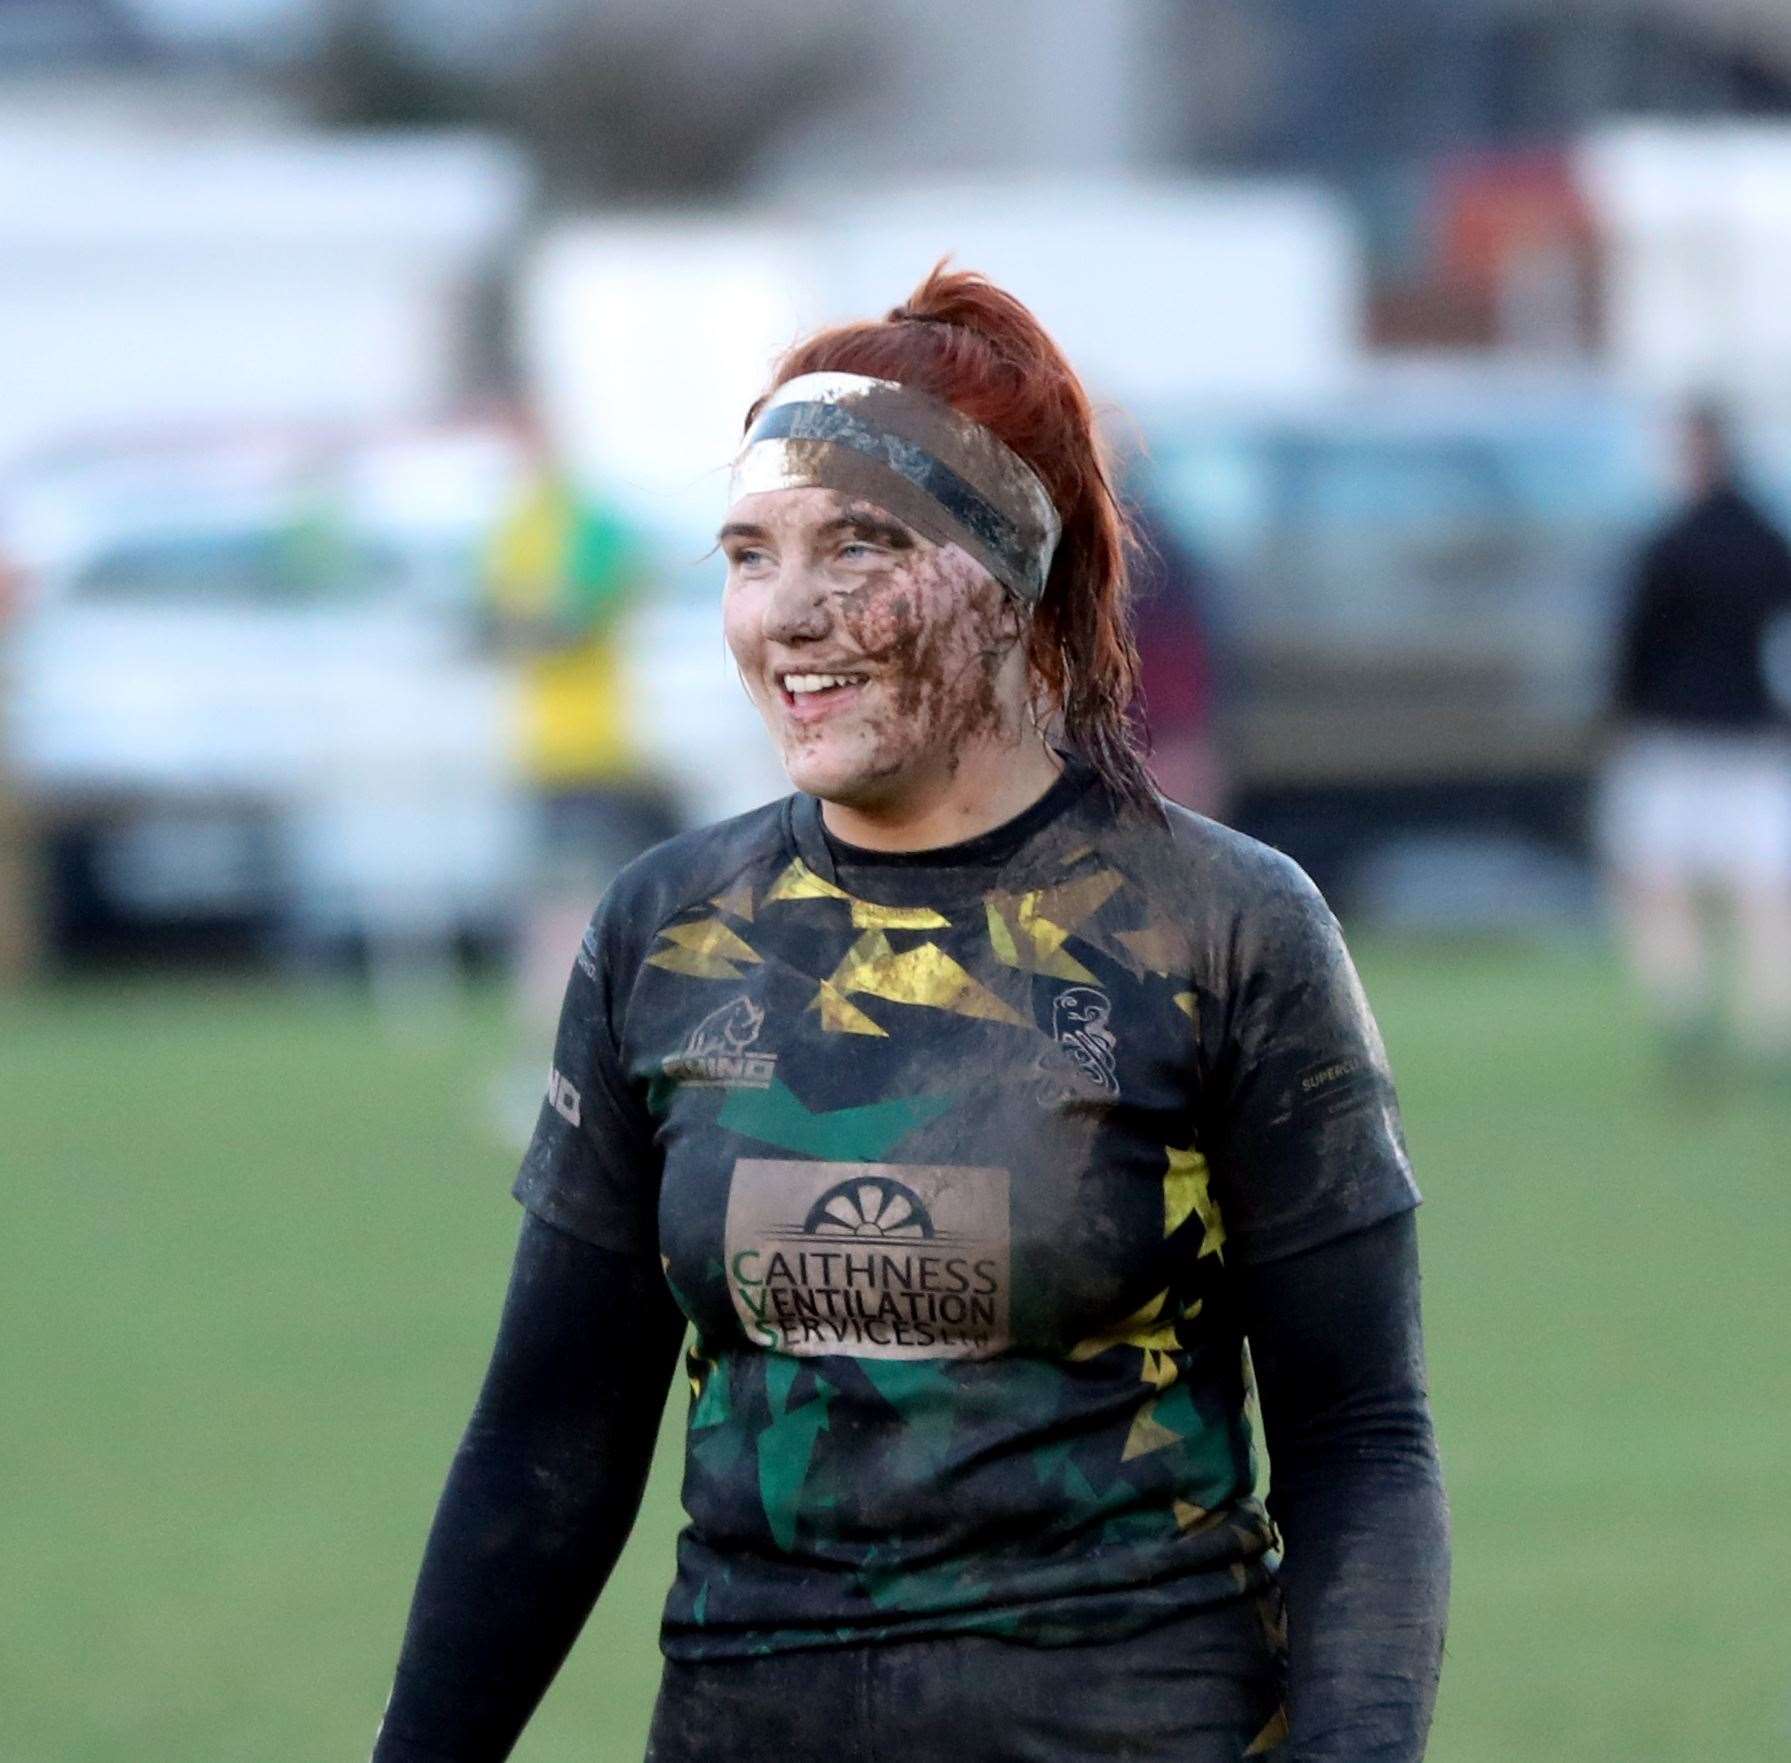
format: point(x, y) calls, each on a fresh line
point(244, 687)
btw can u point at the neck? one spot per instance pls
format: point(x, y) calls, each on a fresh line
point(988, 788)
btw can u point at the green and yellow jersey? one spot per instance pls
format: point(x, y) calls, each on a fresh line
point(560, 572)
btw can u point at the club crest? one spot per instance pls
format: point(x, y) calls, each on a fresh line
point(1079, 1065)
point(720, 1050)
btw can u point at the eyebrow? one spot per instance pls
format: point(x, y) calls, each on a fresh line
point(871, 526)
point(862, 521)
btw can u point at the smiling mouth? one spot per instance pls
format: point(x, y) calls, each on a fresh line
point(813, 692)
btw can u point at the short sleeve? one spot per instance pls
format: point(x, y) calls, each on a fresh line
point(592, 1168)
point(1302, 1126)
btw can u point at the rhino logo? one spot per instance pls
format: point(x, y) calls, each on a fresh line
point(717, 1051)
point(731, 1029)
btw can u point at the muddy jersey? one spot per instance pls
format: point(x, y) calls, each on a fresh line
point(949, 1157)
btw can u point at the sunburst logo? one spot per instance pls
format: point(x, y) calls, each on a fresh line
point(878, 1207)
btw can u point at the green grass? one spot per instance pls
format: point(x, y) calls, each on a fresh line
point(253, 1247)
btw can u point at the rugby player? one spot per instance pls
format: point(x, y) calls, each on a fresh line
point(973, 1107)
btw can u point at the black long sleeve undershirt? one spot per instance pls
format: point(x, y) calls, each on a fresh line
point(540, 1498)
point(548, 1479)
point(1356, 1490)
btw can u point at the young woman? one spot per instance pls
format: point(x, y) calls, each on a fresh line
point(975, 1106)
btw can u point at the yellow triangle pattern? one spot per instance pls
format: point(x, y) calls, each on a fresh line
point(1001, 935)
point(1271, 1736)
point(704, 950)
point(1184, 1002)
point(695, 1360)
point(862, 968)
point(1187, 1190)
point(709, 936)
point(1070, 903)
point(868, 915)
point(925, 976)
point(1189, 1517)
point(1148, 1434)
point(1023, 940)
point(841, 1017)
point(1182, 1182)
point(799, 882)
point(1141, 1329)
point(1027, 931)
point(736, 902)
point(694, 966)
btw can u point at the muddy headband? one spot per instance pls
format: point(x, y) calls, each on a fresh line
point(928, 464)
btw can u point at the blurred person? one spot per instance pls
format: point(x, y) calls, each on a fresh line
point(974, 1105)
point(1696, 801)
point(563, 570)
point(21, 929)
point(1175, 667)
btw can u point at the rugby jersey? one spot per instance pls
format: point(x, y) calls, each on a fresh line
point(949, 1158)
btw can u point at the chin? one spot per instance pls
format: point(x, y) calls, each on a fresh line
point(854, 780)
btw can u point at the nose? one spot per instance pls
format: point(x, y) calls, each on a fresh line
point(797, 609)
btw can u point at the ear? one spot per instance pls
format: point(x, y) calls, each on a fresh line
point(1012, 617)
point(1043, 706)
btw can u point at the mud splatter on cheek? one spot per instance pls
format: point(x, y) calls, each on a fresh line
point(970, 645)
point(990, 635)
point(930, 640)
point(880, 616)
point(937, 631)
point(950, 653)
point(892, 622)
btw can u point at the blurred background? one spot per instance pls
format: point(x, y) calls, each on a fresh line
point(368, 374)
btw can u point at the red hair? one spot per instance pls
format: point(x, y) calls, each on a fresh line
point(972, 344)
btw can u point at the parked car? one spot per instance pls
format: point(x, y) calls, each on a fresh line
point(244, 692)
point(1413, 589)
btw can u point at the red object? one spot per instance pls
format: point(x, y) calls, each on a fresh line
point(1490, 207)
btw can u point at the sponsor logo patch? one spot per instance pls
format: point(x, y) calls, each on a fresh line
point(1336, 1086)
point(720, 1051)
point(870, 1260)
point(564, 1097)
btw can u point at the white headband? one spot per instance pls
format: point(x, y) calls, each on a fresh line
point(925, 462)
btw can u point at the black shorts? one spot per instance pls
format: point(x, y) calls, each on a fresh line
point(1206, 1688)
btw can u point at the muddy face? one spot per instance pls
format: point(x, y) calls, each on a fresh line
point(886, 666)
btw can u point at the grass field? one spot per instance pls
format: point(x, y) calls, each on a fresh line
point(253, 1250)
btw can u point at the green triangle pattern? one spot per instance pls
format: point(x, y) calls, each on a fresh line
point(867, 1134)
